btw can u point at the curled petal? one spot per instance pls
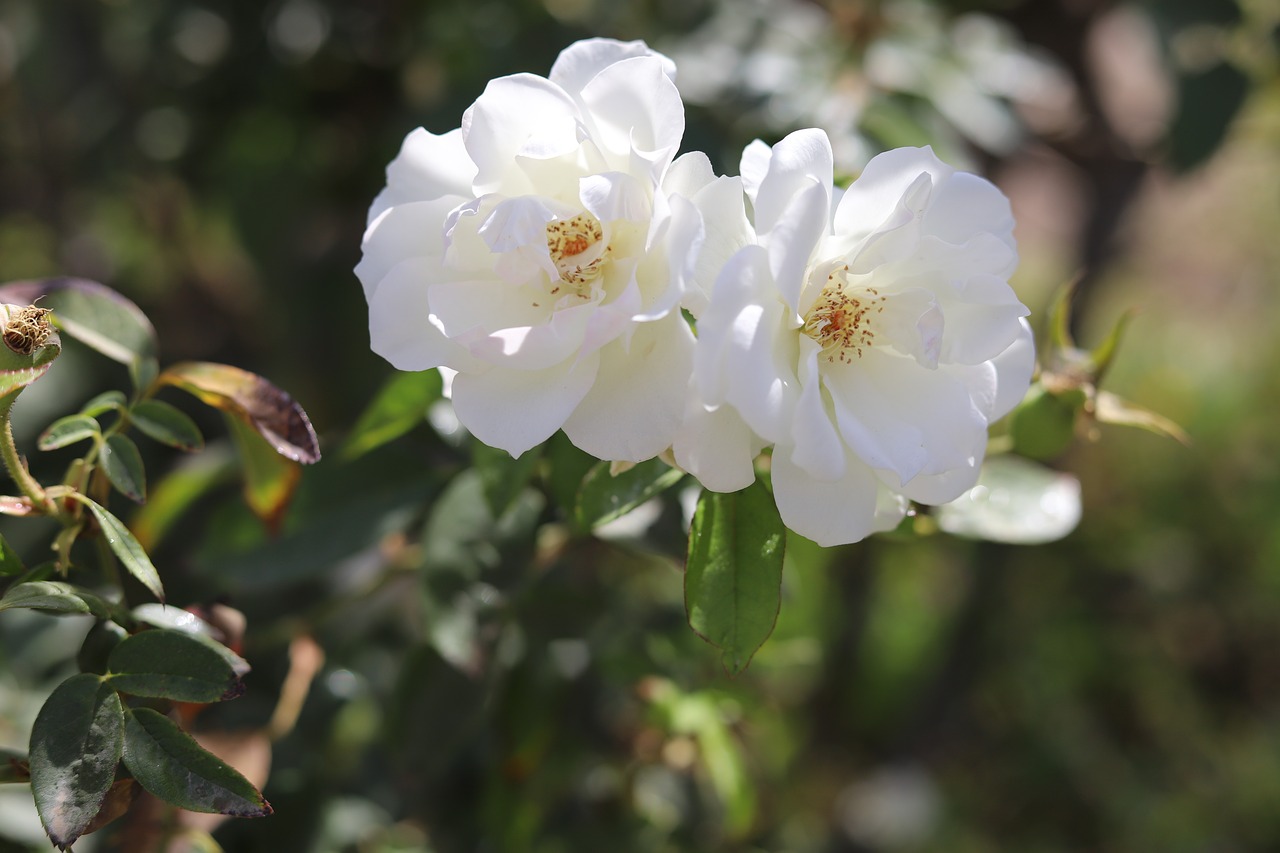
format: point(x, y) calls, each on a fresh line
point(634, 105)
point(399, 233)
point(401, 328)
point(518, 115)
point(801, 160)
point(581, 61)
point(427, 167)
point(1014, 368)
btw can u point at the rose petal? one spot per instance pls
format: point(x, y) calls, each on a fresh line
point(400, 326)
point(413, 230)
point(427, 167)
point(583, 60)
point(815, 445)
point(633, 104)
point(717, 447)
point(801, 160)
point(882, 185)
point(830, 512)
point(520, 114)
point(1014, 368)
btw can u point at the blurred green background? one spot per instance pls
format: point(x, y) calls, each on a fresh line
point(506, 685)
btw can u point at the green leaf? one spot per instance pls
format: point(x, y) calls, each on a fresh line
point(567, 467)
point(131, 554)
point(54, 597)
point(10, 562)
point(91, 313)
point(1044, 424)
point(253, 401)
point(269, 478)
point(400, 406)
point(503, 477)
point(732, 584)
point(169, 764)
point(103, 403)
point(175, 665)
point(1016, 501)
point(123, 464)
point(179, 490)
point(76, 743)
point(68, 430)
point(604, 497)
point(166, 424)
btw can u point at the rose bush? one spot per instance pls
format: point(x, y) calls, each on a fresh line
point(542, 251)
point(870, 335)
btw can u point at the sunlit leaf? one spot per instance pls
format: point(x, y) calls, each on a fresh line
point(123, 466)
point(91, 313)
point(68, 430)
point(271, 412)
point(734, 574)
point(1110, 409)
point(103, 403)
point(166, 424)
point(1016, 501)
point(126, 548)
point(399, 406)
point(174, 665)
point(172, 766)
point(604, 496)
point(76, 743)
point(53, 597)
point(269, 478)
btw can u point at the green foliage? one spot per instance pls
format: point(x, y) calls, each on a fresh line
point(67, 431)
point(605, 496)
point(400, 405)
point(172, 665)
point(166, 424)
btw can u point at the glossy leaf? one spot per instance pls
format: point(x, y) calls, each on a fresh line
point(166, 424)
point(126, 548)
point(53, 597)
point(165, 664)
point(733, 580)
point(169, 764)
point(103, 403)
point(399, 406)
point(68, 430)
point(123, 465)
point(252, 400)
point(91, 313)
point(76, 743)
point(604, 496)
point(269, 478)
point(1016, 501)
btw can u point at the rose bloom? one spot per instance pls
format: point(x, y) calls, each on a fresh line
point(871, 336)
point(542, 251)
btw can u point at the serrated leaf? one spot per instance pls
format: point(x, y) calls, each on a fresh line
point(269, 478)
point(54, 597)
point(166, 424)
point(76, 743)
point(1111, 409)
point(732, 585)
point(103, 403)
point(400, 405)
point(68, 430)
point(1015, 501)
point(175, 665)
point(10, 562)
point(604, 496)
point(126, 548)
point(123, 466)
point(503, 477)
point(169, 764)
point(253, 401)
point(92, 313)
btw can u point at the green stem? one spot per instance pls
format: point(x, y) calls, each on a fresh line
point(18, 470)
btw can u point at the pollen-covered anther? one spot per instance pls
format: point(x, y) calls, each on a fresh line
point(578, 251)
point(841, 322)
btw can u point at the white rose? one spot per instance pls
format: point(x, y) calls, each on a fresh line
point(542, 251)
point(871, 337)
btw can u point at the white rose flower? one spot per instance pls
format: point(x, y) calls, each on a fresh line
point(871, 336)
point(542, 251)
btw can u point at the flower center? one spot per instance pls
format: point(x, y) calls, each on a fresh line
point(841, 321)
point(578, 251)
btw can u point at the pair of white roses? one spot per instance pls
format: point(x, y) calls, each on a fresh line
point(550, 250)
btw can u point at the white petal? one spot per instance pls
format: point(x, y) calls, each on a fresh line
point(516, 115)
point(936, 489)
point(978, 333)
point(581, 61)
point(484, 306)
point(753, 166)
point(517, 409)
point(1014, 368)
point(815, 445)
point(688, 174)
point(683, 244)
point(801, 160)
point(881, 186)
point(615, 196)
point(794, 237)
point(724, 218)
point(717, 447)
point(966, 204)
point(400, 327)
point(427, 167)
point(634, 104)
point(830, 512)
point(402, 232)
point(635, 406)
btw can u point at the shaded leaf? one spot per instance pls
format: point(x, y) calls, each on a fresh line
point(733, 580)
point(166, 424)
point(91, 313)
point(166, 664)
point(604, 496)
point(54, 597)
point(169, 764)
point(503, 477)
point(103, 403)
point(117, 801)
point(123, 465)
point(269, 478)
point(125, 547)
point(1043, 425)
point(179, 490)
point(68, 430)
point(252, 400)
point(1111, 409)
point(76, 743)
point(10, 562)
point(400, 405)
point(1016, 501)
point(567, 467)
